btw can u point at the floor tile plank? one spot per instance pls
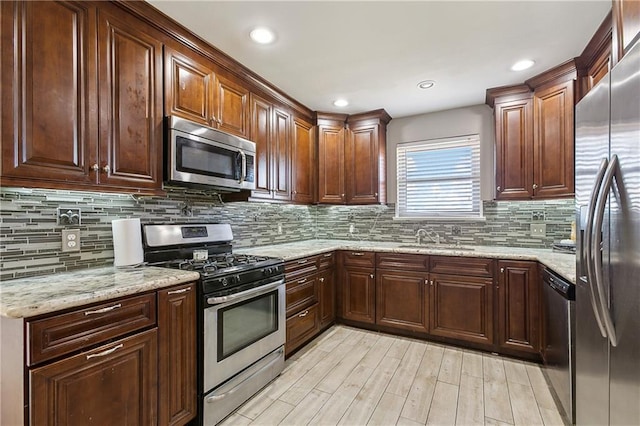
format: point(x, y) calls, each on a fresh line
point(496, 401)
point(470, 401)
point(516, 372)
point(451, 366)
point(401, 382)
point(524, 412)
point(307, 409)
point(472, 364)
point(387, 411)
point(274, 414)
point(443, 405)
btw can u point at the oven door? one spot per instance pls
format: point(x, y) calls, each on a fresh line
point(197, 160)
point(240, 329)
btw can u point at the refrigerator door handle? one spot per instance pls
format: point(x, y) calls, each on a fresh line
point(596, 243)
point(587, 246)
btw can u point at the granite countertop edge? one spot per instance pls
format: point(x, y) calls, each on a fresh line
point(34, 296)
point(562, 263)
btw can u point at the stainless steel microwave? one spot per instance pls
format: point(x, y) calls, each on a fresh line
point(197, 155)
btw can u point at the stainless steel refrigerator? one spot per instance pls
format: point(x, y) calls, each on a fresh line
point(608, 255)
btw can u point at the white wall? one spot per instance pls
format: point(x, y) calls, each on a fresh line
point(442, 124)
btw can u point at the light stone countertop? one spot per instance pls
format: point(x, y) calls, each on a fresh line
point(562, 263)
point(27, 297)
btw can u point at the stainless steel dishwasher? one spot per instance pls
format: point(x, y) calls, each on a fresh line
point(559, 340)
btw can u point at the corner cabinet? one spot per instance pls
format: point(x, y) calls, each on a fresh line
point(95, 123)
point(534, 136)
point(518, 306)
point(351, 160)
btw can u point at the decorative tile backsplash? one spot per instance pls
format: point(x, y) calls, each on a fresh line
point(30, 238)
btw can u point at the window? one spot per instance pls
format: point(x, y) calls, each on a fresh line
point(439, 178)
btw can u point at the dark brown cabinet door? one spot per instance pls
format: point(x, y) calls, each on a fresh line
point(462, 308)
point(626, 26)
point(553, 141)
point(327, 286)
point(358, 294)
point(261, 112)
point(514, 149)
point(331, 170)
point(301, 327)
point(177, 355)
point(189, 87)
point(49, 129)
point(362, 162)
point(402, 300)
point(518, 306)
point(281, 155)
point(116, 382)
point(232, 107)
point(130, 87)
point(302, 162)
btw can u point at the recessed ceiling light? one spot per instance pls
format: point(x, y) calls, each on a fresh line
point(341, 102)
point(262, 35)
point(522, 65)
point(426, 84)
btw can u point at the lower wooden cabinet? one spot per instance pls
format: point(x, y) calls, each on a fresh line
point(518, 306)
point(327, 297)
point(402, 300)
point(462, 308)
point(177, 355)
point(358, 294)
point(113, 383)
point(301, 327)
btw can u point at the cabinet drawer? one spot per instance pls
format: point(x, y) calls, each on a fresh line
point(471, 266)
point(79, 329)
point(301, 327)
point(404, 262)
point(301, 293)
point(326, 260)
point(299, 267)
point(365, 259)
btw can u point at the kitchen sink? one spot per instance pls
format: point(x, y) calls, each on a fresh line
point(438, 247)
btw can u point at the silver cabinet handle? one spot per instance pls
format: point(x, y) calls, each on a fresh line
point(370, 275)
point(321, 280)
point(375, 195)
point(95, 167)
point(535, 186)
point(304, 314)
point(426, 281)
point(587, 245)
point(498, 189)
point(341, 195)
point(596, 243)
point(502, 270)
point(182, 290)
point(431, 282)
point(103, 310)
point(328, 255)
point(106, 168)
point(355, 253)
point(105, 353)
point(300, 262)
point(302, 281)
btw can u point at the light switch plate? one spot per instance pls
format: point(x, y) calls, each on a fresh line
point(70, 240)
point(538, 230)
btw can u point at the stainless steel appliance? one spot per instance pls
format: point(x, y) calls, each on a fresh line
point(241, 305)
point(197, 155)
point(608, 256)
point(559, 340)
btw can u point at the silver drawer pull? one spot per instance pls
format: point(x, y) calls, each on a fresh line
point(321, 280)
point(355, 253)
point(182, 290)
point(304, 314)
point(103, 310)
point(328, 255)
point(304, 280)
point(105, 353)
point(300, 262)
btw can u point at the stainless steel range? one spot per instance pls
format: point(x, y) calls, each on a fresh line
point(241, 305)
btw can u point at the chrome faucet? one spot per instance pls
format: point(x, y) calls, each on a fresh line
point(430, 233)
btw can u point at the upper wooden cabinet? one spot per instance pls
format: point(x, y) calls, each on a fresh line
point(534, 136)
point(97, 120)
point(232, 107)
point(595, 60)
point(351, 160)
point(302, 162)
point(626, 26)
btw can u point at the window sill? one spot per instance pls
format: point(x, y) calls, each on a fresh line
point(441, 219)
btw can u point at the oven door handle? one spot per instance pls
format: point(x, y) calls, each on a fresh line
point(245, 294)
point(240, 380)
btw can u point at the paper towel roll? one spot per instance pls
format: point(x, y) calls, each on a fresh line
point(127, 242)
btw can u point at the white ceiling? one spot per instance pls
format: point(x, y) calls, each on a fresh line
point(375, 53)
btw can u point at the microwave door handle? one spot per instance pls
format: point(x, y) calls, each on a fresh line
point(596, 244)
point(243, 173)
point(588, 246)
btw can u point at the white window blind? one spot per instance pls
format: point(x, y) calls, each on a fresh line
point(439, 178)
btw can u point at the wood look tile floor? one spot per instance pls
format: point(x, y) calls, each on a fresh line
point(349, 376)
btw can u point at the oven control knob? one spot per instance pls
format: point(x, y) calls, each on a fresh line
point(267, 271)
point(236, 279)
point(223, 281)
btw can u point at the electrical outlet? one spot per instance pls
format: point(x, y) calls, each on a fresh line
point(538, 230)
point(456, 230)
point(70, 240)
point(352, 228)
point(537, 216)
